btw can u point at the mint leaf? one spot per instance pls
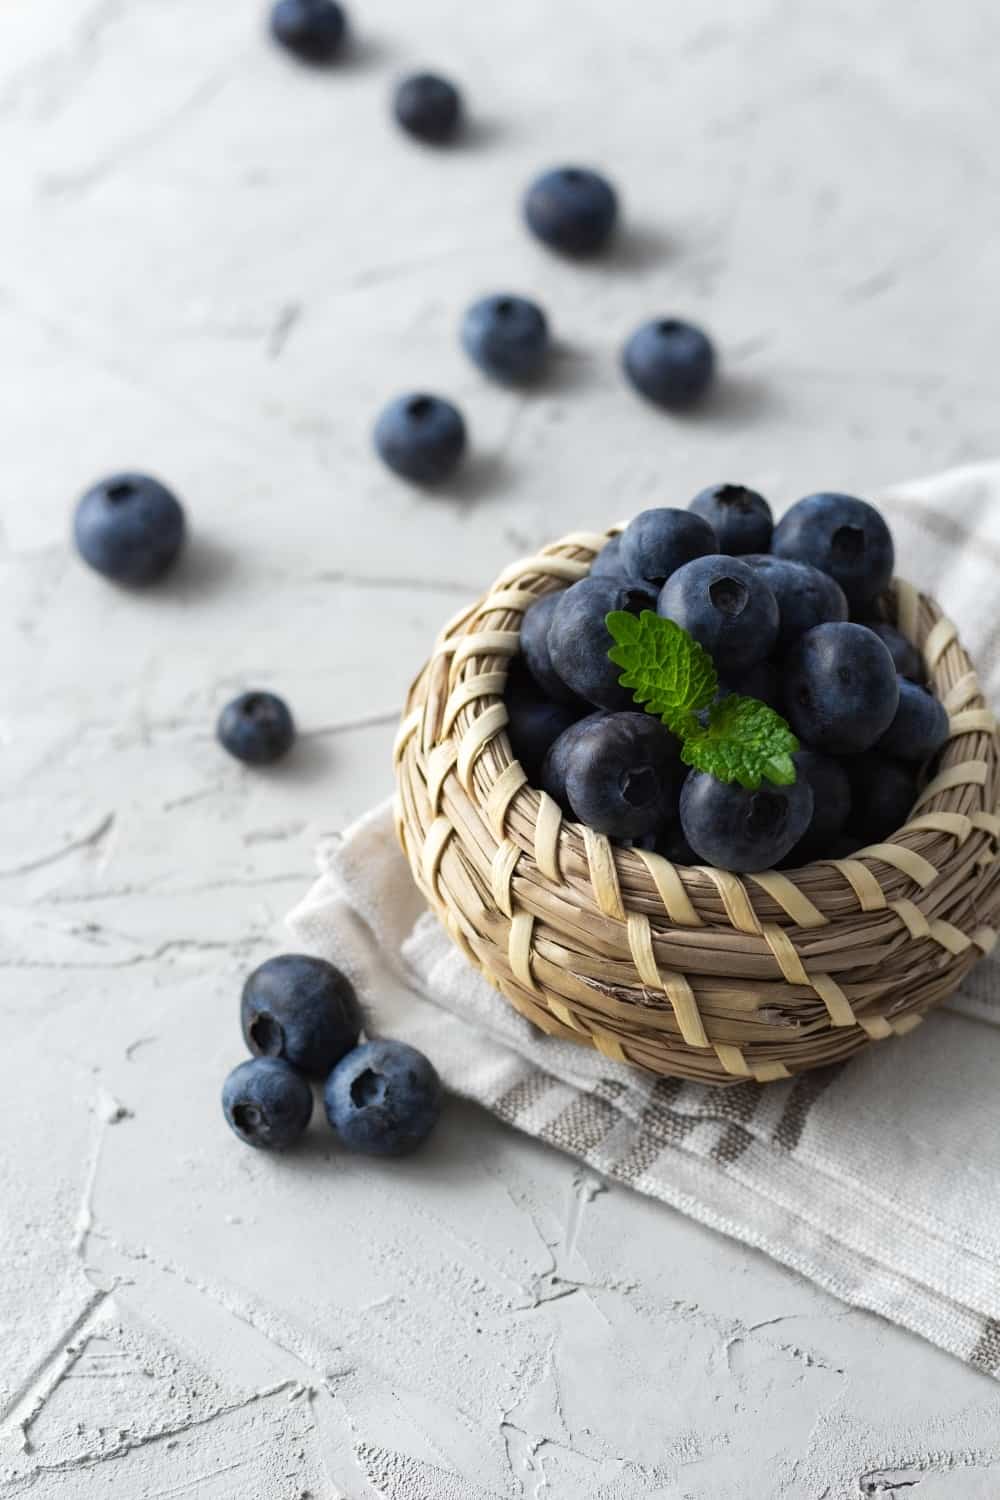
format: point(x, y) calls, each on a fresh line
point(743, 741)
point(669, 673)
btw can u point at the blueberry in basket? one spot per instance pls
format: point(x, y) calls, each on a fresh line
point(776, 730)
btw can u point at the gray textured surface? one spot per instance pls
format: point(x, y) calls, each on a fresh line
point(217, 266)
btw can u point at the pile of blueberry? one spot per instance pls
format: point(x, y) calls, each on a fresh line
point(793, 615)
point(302, 1021)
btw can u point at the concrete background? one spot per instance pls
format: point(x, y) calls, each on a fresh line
point(217, 266)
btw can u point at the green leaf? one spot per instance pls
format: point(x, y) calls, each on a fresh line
point(669, 673)
point(744, 741)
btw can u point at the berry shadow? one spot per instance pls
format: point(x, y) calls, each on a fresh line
point(362, 51)
point(568, 368)
point(637, 247)
point(203, 566)
point(481, 477)
point(738, 400)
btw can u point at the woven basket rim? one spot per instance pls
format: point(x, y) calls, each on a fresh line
point(659, 964)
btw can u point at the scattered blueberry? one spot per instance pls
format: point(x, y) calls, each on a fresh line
point(735, 829)
point(421, 438)
point(579, 640)
point(725, 606)
point(831, 791)
point(534, 721)
point(844, 537)
point(622, 775)
point(267, 1103)
point(301, 1009)
point(658, 542)
point(670, 362)
point(740, 518)
point(571, 209)
point(920, 727)
point(608, 562)
point(129, 527)
point(428, 107)
point(555, 767)
point(883, 792)
point(535, 650)
point(506, 336)
point(806, 597)
point(909, 662)
point(312, 29)
point(384, 1098)
point(257, 728)
point(841, 688)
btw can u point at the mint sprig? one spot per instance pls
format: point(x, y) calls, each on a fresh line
point(672, 676)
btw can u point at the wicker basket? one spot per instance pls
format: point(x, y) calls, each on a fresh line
point(689, 971)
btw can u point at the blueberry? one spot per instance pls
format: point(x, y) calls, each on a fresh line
point(129, 527)
point(257, 728)
point(806, 597)
point(608, 562)
point(384, 1098)
point(674, 846)
point(421, 438)
point(842, 536)
point(740, 517)
point(555, 766)
point(761, 681)
point(535, 650)
point(301, 1009)
point(909, 662)
point(920, 727)
point(831, 791)
point(579, 640)
point(622, 775)
point(571, 209)
point(534, 722)
point(658, 542)
point(670, 362)
point(428, 107)
point(267, 1103)
point(312, 29)
point(734, 829)
point(727, 607)
point(506, 336)
point(841, 688)
point(883, 792)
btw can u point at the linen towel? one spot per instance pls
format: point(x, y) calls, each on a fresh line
point(879, 1179)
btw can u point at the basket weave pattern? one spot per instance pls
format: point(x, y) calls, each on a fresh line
point(689, 971)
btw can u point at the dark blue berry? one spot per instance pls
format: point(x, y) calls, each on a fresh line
point(883, 792)
point(534, 721)
point(669, 362)
point(428, 107)
point(920, 726)
point(257, 728)
point(129, 527)
point(267, 1103)
point(579, 641)
point(506, 336)
point(384, 1098)
point(571, 209)
point(841, 688)
point(622, 775)
point(421, 438)
point(740, 517)
point(658, 542)
point(806, 597)
point(535, 650)
point(555, 766)
point(301, 1009)
point(672, 845)
point(734, 829)
point(844, 537)
point(312, 29)
point(725, 606)
point(909, 662)
point(608, 562)
point(831, 791)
